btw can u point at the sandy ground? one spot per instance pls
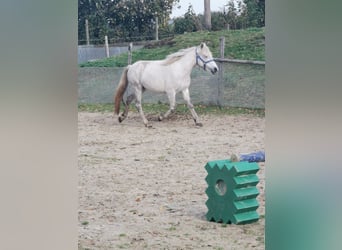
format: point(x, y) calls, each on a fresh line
point(143, 188)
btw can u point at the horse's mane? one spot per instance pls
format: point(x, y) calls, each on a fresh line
point(176, 56)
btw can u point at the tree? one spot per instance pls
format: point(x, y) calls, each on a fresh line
point(189, 23)
point(218, 20)
point(242, 17)
point(123, 19)
point(232, 15)
point(207, 14)
point(93, 10)
point(245, 13)
point(255, 12)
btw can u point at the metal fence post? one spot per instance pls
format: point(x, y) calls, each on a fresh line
point(220, 75)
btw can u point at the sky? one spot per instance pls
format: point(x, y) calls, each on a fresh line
point(198, 5)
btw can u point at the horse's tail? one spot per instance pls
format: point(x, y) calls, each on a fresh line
point(120, 90)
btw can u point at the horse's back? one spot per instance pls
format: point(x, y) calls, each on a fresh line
point(139, 67)
point(149, 74)
point(159, 76)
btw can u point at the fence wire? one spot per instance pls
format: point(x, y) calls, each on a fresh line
point(240, 85)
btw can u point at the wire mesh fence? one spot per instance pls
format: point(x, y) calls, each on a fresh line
point(240, 85)
point(91, 52)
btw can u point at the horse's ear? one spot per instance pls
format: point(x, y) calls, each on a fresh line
point(202, 45)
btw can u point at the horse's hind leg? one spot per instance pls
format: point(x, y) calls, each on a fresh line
point(186, 97)
point(126, 103)
point(138, 93)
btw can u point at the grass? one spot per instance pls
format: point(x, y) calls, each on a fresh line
point(180, 109)
point(172, 228)
point(248, 44)
point(123, 246)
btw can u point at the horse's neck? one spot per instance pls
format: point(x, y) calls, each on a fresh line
point(188, 61)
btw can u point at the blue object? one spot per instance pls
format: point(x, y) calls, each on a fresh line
point(253, 157)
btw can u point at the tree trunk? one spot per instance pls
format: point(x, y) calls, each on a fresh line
point(207, 14)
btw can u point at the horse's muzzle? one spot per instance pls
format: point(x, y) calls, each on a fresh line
point(214, 70)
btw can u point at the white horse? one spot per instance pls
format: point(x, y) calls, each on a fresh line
point(171, 75)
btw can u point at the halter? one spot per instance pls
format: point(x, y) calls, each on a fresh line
point(203, 61)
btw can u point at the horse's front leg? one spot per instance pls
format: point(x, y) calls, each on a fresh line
point(186, 97)
point(172, 99)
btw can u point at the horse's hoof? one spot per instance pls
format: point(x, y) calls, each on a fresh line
point(160, 118)
point(120, 119)
point(199, 124)
point(148, 125)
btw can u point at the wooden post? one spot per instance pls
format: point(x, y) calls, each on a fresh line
point(87, 31)
point(107, 46)
point(157, 38)
point(220, 75)
point(130, 47)
point(222, 41)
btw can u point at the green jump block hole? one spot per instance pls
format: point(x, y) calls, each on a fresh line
point(221, 187)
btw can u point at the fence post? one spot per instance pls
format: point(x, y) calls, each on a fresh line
point(87, 31)
point(130, 47)
point(157, 26)
point(107, 47)
point(220, 75)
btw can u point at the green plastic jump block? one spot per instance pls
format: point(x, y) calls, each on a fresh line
point(232, 191)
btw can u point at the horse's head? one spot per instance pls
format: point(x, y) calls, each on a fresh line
point(204, 58)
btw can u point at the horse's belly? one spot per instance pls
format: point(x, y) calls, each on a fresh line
point(165, 85)
point(159, 78)
point(155, 79)
point(153, 85)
